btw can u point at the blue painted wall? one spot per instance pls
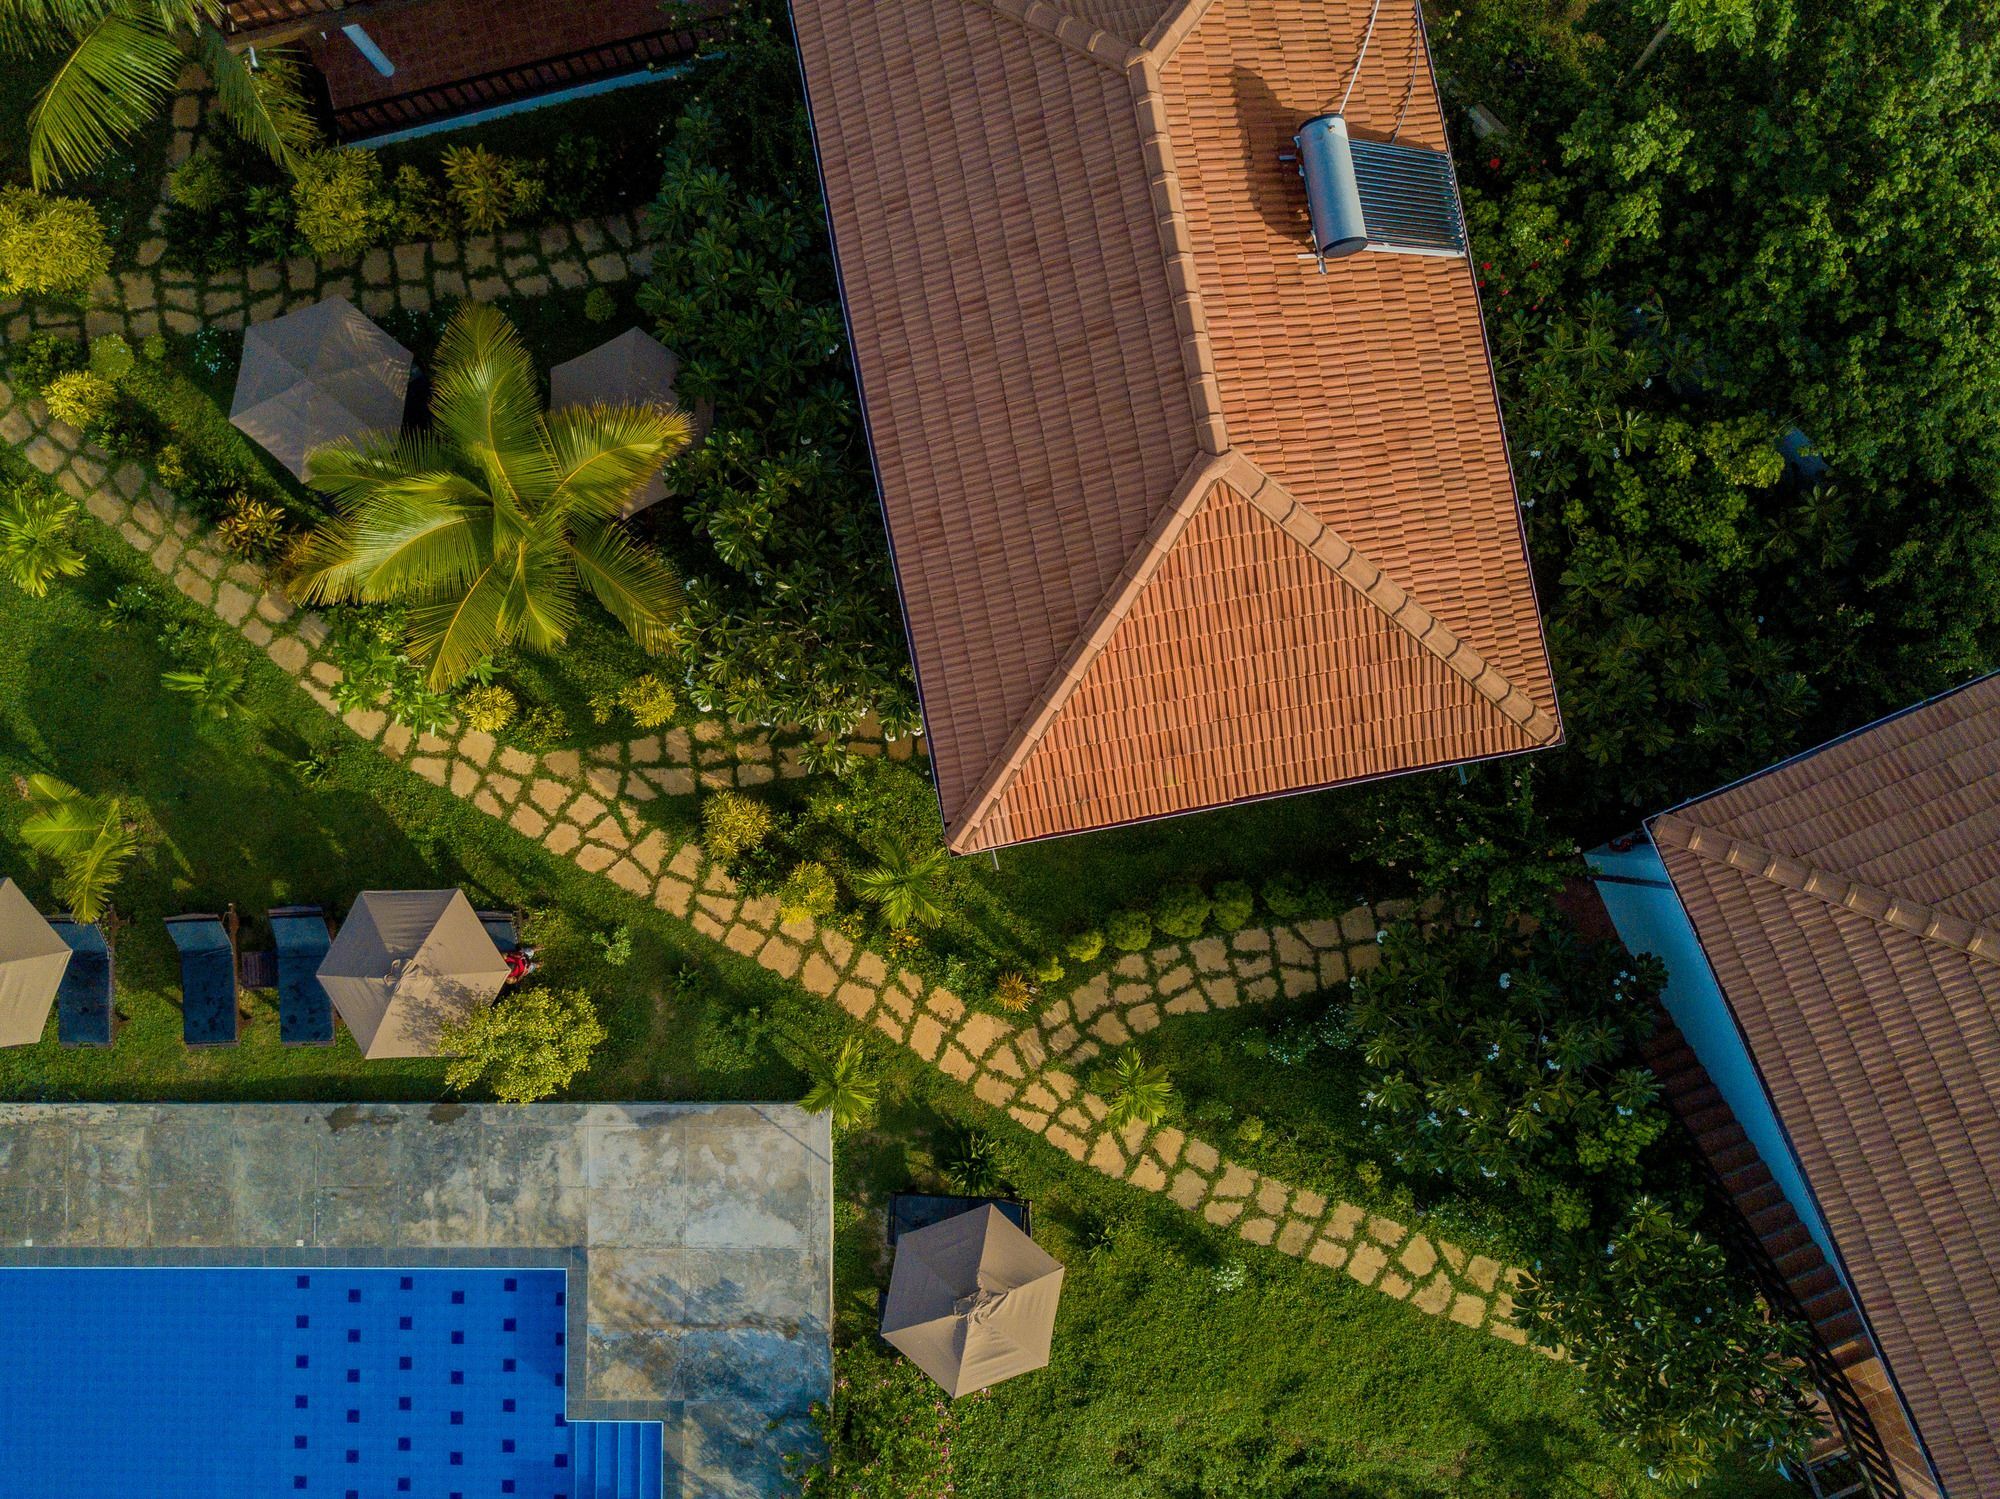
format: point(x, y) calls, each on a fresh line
point(1649, 918)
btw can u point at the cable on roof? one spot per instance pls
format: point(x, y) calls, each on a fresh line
point(1410, 80)
point(1374, 10)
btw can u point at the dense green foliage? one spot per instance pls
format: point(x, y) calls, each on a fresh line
point(526, 1046)
point(792, 615)
point(1779, 229)
point(49, 247)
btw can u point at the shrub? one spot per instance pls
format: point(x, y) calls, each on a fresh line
point(1183, 910)
point(49, 247)
point(488, 709)
point(1674, 1347)
point(111, 356)
point(200, 184)
point(1284, 897)
point(599, 306)
point(888, 1432)
point(37, 538)
point(732, 824)
point(649, 700)
point(1012, 992)
point(614, 946)
point(489, 191)
point(40, 359)
point(1250, 1129)
point(730, 1041)
point(419, 208)
point(970, 1161)
point(1130, 931)
point(339, 203)
point(80, 398)
point(541, 729)
point(251, 527)
point(1234, 906)
point(213, 688)
point(527, 1046)
point(1230, 1276)
point(808, 893)
point(907, 885)
point(1049, 970)
point(1085, 945)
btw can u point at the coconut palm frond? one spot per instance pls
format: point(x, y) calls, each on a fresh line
point(456, 634)
point(485, 401)
point(604, 455)
point(120, 71)
point(636, 586)
point(87, 835)
point(266, 105)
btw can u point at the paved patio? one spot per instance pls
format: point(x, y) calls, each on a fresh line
point(701, 1234)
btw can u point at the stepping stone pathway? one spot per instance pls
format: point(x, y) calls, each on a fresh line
point(587, 806)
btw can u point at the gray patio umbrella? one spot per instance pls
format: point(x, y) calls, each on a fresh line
point(633, 369)
point(407, 964)
point(316, 375)
point(33, 960)
point(972, 1301)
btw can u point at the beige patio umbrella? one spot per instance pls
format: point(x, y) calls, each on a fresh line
point(633, 369)
point(972, 1301)
point(33, 960)
point(407, 964)
point(315, 375)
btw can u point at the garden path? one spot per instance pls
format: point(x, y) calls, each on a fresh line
point(589, 805)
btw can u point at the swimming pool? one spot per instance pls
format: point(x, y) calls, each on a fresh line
point(259, 1383)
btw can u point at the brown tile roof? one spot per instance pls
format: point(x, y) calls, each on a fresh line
point(1177, 519)
point(1849, 902)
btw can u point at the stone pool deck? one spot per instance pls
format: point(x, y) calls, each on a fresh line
point(701, 1235)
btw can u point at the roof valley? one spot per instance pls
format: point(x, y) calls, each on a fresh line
point(1892, 911)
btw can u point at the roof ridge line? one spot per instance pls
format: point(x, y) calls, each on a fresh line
point(1080, 36)
point(1347, 563)
point(1912, 917)
point(1189, 495)
point(1177, 245)
point(1164, 40)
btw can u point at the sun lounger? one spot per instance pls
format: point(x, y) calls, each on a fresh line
point(305, 1012)
point(83, 1003)
point(502, 928)
point(208, 980)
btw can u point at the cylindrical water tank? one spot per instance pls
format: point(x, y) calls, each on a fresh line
point(1332, 199)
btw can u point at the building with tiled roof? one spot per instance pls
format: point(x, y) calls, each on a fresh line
point(1180, 515)
point(1831, 929)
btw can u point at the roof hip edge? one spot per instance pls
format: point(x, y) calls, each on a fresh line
point(1165, 39)
point(1188, 497)
point(1093, 42)
point(1277, 503)
point(1177, 247)
point(1911, 917)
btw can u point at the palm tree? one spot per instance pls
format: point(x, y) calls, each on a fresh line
point(87, 835)
point(214, 688)
point(36, 541)
point(487, 525)
point(904, 885)
point(840, 1087)
point(120, 62)
point(1135, 1090)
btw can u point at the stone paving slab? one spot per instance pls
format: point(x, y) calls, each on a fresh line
point(701, 1234)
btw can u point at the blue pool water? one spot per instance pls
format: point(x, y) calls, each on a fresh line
point(257, 1384)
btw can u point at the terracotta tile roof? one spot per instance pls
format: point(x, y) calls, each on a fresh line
point(1849, 902)
point(1177, 519)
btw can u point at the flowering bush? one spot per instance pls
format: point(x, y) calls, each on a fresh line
point(889, 1432)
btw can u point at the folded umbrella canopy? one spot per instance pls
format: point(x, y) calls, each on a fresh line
point(316, 375)
point(32, 961)
point(633, 369)
point(972, 1301)
point(408, 964)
